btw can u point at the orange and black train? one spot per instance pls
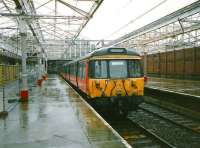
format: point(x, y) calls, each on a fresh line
point(110, 77)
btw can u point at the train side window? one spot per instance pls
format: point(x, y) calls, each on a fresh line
point(65, 69)
point(79, 70)
point(83, 71)
point(135, 69)
point(75, 67)
point(70, 71)
point(74, 72)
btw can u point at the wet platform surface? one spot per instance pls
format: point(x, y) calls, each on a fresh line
point(176, 85)
point(56, 117)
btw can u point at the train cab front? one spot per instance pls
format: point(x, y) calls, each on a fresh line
point(116, 83)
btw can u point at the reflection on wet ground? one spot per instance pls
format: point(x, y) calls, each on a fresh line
point(98, 134)
point(177, 85)
point(54, 117)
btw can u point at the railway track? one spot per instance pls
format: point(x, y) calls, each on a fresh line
point(135, 134)
point(179, 120)
point(175, 129)
point(159, 140)
point(156, 127)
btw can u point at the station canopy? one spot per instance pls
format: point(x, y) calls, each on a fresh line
point(51, 24)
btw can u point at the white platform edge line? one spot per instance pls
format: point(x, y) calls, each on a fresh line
point(106, 123)
point(167, 90)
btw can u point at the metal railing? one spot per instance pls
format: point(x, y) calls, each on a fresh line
point(11, 85)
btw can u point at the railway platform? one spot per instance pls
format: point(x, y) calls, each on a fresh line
point(187, 87)
point(56, 116)
point(182, 96)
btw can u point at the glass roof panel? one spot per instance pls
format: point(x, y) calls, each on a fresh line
point(46, 20)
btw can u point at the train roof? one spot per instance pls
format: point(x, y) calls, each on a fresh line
point(109, 50)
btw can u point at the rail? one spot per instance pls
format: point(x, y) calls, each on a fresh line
point(172, 117)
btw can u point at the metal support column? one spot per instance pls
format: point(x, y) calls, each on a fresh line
point(46, 64)
point(39, 82)
point(24, 70)
point(23, 34)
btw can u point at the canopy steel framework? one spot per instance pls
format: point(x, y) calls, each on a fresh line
point(48, 21)
point(177, 30)
point(54, 27)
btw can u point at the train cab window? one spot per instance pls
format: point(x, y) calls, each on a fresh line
point(135, 69)
point(118, 68)
point(98, 69)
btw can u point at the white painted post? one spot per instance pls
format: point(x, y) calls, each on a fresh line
point(23, 35)
point(39, 56)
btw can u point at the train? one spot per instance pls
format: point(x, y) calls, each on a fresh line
point(111, 78)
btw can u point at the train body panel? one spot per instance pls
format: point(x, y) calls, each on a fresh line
point(82, 84)
point(73, 79)
point(115, 87)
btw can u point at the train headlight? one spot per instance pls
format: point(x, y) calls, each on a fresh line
point(133, 84)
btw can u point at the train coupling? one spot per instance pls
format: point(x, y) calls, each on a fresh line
point(128, 102)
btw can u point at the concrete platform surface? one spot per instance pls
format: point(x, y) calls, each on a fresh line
point(190, 87)
point(56, 117)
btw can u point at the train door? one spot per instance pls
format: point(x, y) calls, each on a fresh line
point(81, 77)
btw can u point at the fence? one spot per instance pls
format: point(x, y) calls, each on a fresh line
point(11, 84)
point(177, 63)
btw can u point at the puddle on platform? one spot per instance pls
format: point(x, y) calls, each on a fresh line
point(56, 117)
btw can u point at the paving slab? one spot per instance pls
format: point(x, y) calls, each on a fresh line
point(56, 117)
